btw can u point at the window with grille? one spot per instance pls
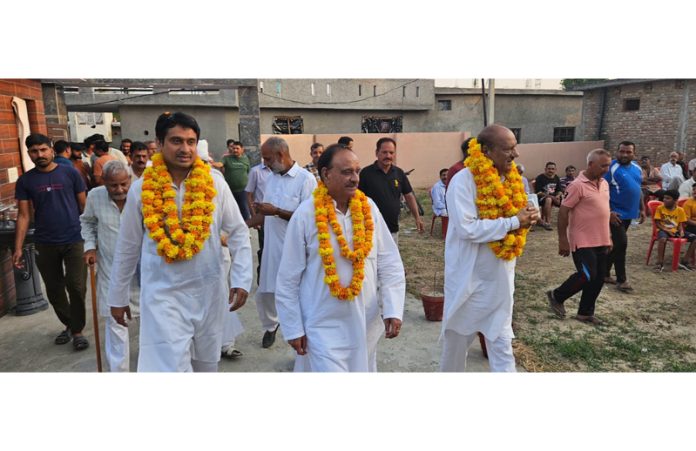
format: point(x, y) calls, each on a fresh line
point(444, 105)
point(288, 125)
point(90, 118)
point(374, 124)
point(563, 134)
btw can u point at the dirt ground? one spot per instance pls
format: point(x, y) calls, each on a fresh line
point(651, 329)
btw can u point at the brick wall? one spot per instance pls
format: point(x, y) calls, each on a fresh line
point(31, 92)
point(656, 127)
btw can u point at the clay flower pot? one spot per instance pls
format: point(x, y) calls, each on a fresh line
point(433, 303)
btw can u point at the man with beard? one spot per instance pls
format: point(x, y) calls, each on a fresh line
point(626, 201)
point(76, 153)
point(287, 187)
point(100, 223)
point(57, 194)
point(672, 174)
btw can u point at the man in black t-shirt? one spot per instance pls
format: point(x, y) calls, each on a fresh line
point(384, 183)
point(548, 188)
point(58, 196)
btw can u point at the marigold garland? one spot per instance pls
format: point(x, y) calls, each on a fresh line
point(496, 199)
point(363, 228)
point(178, 239)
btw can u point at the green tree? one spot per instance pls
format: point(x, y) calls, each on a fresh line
point(571, 83)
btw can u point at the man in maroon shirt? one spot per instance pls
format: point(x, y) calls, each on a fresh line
point(459, 165)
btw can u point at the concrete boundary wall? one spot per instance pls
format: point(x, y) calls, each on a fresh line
point(427, 153)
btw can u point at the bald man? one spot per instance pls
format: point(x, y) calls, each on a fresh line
point(478, 284)
point(287, 187)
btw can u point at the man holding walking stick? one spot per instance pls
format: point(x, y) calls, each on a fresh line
point(100, 223)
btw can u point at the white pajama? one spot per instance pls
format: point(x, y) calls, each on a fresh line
point(479, 286)
point(341, 335)
point(232, 326)
point(100, 224)
point(116, 346)
point(455, 351)
point(286, 192)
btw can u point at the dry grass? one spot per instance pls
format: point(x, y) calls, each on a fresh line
point(651, 329)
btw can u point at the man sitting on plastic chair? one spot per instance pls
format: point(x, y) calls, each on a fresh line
point(670, 220)
point(437, 195)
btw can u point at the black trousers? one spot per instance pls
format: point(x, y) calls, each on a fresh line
point(242, 203)
point(591, 264)
point(63, 268)
point(617, 256)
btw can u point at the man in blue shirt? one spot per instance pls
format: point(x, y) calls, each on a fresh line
point(58, 196)
point(626, 202)
point(62, 151)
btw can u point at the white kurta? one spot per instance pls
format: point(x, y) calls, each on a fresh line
point(286, 192)
point(478, 286)
point(337, 335)
point(232, 326)
point(100, 223)
point(181, 308)
point(669, 173)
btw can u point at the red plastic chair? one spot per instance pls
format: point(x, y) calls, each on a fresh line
point(676, 242)
point(443, 219)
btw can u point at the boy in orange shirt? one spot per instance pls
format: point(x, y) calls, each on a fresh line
point(670, 220)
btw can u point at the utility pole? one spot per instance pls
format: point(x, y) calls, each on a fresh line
point(491, 100)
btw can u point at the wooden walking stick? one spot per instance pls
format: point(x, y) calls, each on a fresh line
point(95, 318)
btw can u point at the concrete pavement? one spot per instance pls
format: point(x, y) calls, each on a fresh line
point(26, 344)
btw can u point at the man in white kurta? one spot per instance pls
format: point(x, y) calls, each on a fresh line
point(478, 285)
point(286, 188)
point(181, 309)
point(335, 331)
point(100, 223)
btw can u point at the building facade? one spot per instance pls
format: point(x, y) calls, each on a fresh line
point(342, 106)
point(658, 115)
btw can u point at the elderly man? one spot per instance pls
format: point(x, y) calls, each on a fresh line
point(286, 189)
point(315, 152)
point(583, 230)
point(100, 223)
point(626, 201)
point(384, 183)
point(481, 249)
point(327, 293)
point(671, 172)
point(173, 221)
